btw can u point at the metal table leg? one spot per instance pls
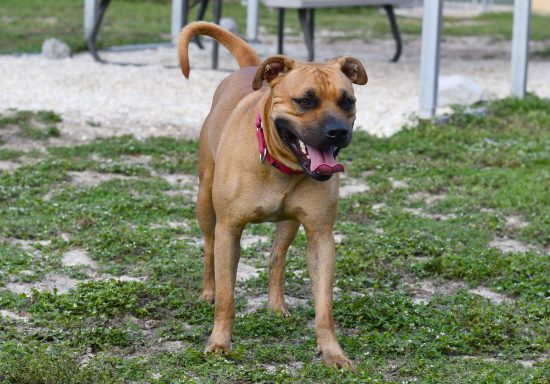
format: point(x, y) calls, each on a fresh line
point(200, 16)
point(281, 31)
point(395, 32)
point(216, 46)
point(92, 38)
point(307, 22)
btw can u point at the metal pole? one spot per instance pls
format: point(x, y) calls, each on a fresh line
point(215, 46)
point(252, 17)
point(429, 58)
point(91, 10)
point(179, 16)
point(520, 47)
point(280, 30)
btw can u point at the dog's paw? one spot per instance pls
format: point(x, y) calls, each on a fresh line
point(336, 358)
point(278, 308)
point(218, 348)
point(208, 295)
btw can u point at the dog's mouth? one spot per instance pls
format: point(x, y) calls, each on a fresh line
point(318, 163)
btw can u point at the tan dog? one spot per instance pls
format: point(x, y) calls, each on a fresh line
point(295, 116)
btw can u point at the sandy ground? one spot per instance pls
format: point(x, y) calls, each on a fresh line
point(155, 99)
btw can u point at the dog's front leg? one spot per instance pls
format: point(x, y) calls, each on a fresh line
point(226, 258)
point(286, 232)
point(321, 261)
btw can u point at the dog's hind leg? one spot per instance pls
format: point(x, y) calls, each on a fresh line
point(286, 232)
point(207, 220)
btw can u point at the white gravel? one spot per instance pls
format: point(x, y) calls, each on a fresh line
point(155, 99)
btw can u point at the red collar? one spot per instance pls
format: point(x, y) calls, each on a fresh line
point(265, 156)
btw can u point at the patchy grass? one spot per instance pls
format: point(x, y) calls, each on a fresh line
point(440, 198)
point(32, 125)
point(25, 24)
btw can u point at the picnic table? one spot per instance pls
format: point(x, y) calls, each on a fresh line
point(94, 10)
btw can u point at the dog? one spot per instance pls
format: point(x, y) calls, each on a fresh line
point(267, 153)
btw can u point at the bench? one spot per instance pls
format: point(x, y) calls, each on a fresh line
point(306, 15)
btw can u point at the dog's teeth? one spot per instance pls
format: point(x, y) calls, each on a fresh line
point(303, 146)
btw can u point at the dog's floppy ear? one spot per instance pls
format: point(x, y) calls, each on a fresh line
point(353, 69)
point(271, 68)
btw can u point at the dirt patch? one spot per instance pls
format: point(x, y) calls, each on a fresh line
point(50, 282)
point(398, 184)
point(338, 238)
point(290, 368)
point(248, 241)
point(59, 282)
point(352, 187)
point(531, 363)
point(246, 272)
point(123, 278)
point(507, 245)
point(169, 346)
point(434, 216)
point(378, 207)
point(78, 257)
point(144, 160)
point(184, 185)
point(13, 316)
point(8, 166)
point(496, 298)
point(423, 291)
point(29, 246)
point(193, 241)
point(92, 179)
point(516, 221)
point(428, 198)
point(181, 180)
point(179, 225)
point(525, 363)
point(255, 303)
point(12, 139)
point(174, 225)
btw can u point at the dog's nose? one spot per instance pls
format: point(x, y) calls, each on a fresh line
point(337, 133)
point(336, 130)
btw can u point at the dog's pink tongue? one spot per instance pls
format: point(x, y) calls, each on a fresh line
point(323, 161)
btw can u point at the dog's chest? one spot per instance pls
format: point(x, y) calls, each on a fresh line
point(273, 207)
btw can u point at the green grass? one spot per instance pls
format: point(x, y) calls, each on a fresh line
point(25, 24)
point(153, 328)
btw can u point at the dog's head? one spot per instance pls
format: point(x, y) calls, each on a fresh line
point(311, 107)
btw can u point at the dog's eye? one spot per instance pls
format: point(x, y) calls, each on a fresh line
point(347, 103)
point(305, 102)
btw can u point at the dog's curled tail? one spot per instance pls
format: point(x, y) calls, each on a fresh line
point(243, 52)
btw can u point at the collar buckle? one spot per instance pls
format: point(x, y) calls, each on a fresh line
point(263, 155)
